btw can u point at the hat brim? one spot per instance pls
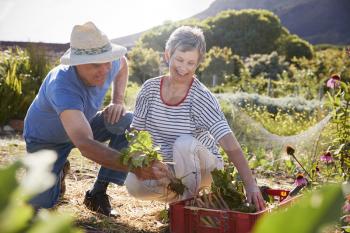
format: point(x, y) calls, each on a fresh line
point(115, 53)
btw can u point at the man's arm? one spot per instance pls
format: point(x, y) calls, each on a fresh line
point(120, 82)
point(116, 108)
point(80, 133)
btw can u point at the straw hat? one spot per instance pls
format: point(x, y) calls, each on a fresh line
point(89, 45)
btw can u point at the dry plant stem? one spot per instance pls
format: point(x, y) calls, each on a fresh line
point(216, 199)
point(302, 167)
point(223, 201)
point(200, 203)
point(205, 199)
point(316, 146)
point(211, 201)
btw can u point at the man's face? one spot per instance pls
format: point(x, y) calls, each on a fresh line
point(94, 74)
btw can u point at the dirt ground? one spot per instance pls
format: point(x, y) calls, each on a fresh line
point(136, 216)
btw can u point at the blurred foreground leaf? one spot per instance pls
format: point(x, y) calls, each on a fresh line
point(312, 212)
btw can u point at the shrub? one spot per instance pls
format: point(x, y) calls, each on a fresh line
point(14, 68)
point(245, 32)
point(143, 63)
point(222, 64)
point(272, 105)
point(157, 36)
point(294, 47)
point(21, 74)
point(267, 65)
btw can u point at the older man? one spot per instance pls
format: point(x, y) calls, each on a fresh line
point(65, 114)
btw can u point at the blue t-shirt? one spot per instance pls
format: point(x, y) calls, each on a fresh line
point(62, 90)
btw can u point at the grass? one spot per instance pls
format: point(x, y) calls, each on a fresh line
point(281, 123)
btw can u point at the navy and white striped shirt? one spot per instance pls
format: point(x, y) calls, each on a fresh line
point(198, 115)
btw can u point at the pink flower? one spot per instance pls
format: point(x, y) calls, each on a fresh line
point(347, 219)
point(300, 180)
point(327, 158)
point(346, 207)
point(334, 81)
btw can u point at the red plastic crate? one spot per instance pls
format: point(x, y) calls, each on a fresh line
point(188, 219)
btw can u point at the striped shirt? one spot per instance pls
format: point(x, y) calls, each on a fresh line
point(198, 115)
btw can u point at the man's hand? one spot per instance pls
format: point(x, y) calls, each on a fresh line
point(113, 112)
point(156, 171)
point(254, 197)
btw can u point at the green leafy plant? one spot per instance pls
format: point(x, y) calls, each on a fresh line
point(141, 153)
point(21, 74)
point(227, 185)
point(339, 100)
point(345, 219)
point(10, 94)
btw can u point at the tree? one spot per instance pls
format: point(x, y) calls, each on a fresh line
point(294, 47)
point(267, 65)
point(219, 65)
point(143, 63)
point(157, 37)
point(245, 32)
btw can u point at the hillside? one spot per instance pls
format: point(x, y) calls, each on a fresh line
point(320, 21)
point(317, 21)
point(272, 5)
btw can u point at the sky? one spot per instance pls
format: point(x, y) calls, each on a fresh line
point(52, 20)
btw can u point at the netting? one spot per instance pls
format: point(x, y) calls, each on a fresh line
point(253, 134)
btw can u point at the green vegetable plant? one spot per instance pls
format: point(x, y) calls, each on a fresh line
point(141, 153)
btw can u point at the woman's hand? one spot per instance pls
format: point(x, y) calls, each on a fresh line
point(232, 148)
point(156, 171)
point(254, 197)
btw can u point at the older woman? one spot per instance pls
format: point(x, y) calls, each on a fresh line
point(185, 120)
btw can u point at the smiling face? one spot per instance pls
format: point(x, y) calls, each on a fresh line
point(182, 64)
point(94, 74)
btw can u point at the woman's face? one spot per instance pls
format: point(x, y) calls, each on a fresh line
point(94, 74)
point(183, 64)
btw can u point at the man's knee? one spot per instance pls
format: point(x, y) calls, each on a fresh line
point(123, 124)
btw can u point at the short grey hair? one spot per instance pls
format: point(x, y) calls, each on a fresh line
point(186, 38)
